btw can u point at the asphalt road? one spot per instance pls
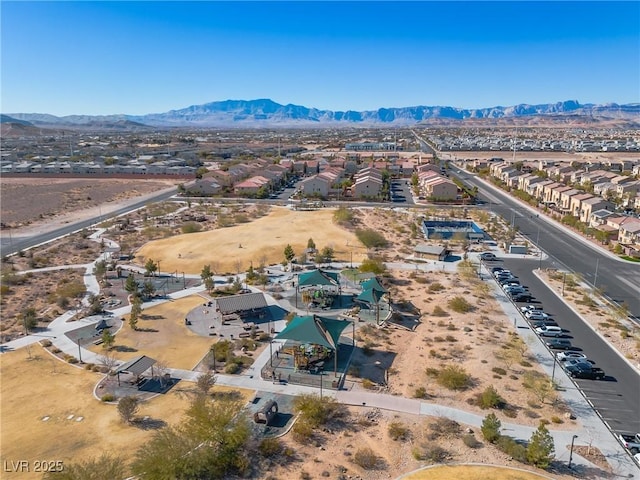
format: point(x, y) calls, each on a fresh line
point(11, 245)
point(616, 397)
point(620, 280)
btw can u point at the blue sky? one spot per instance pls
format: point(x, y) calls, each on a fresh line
point(128, 57)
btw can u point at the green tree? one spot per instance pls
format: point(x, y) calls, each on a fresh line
point(541, 450)
point(211, 442)
point(107, 339)
point(131, 285)
point(148, 289)
point(491, 428)
point(205, 382)
point(127, 408)
point(136, 310)
point(150, 267)
point(311, 244)
point(289, 254)
point(207, 277)
point(29, 318)
point(104, 467)
point(100, 270)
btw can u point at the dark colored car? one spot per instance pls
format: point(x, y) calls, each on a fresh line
point(522, 297)
point(582, 370)
point(558, 343)
point(495, 270)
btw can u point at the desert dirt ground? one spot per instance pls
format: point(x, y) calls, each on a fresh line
point(465, 472)
point(63, 198)
point(473, 341)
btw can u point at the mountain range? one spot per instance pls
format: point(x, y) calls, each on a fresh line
point(267, 113)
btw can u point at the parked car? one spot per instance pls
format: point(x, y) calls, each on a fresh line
point(522, 297)
point(514, 290)
point(488, 256)
point(587, 371)
point(529, 308)
point(559, 344)
point(537, 315)
point(549, 331)
point(571, 362)
point(543, 323)
point(630, 442)
point(496, 270)
point(636, 457)
point(509, 281)
point(562, 356)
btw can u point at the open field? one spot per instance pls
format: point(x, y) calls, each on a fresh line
point(472, 472)
point(263, 239)
point(61, 200)
point(163, 335)
point(36, 385)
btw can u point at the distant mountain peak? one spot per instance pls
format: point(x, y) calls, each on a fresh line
point(264, 112)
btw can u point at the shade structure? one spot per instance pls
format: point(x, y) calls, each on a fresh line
point(314, 329)
point(370, 296)
point(373, 283)
point(318, 277)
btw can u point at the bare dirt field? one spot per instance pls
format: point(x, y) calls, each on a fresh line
point(27, 201)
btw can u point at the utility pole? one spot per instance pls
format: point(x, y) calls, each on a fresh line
point(79, 351)
point(595, 276)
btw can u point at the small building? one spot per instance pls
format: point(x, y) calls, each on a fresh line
point(432, 252)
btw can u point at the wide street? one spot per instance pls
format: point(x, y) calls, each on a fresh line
point(619, 279)
point(615, 397)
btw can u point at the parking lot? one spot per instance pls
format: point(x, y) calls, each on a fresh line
point(615, 396)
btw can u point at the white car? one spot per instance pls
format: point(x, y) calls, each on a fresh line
point(549, 331)
point(564, 356)
point(529, 308)
point(536, 315)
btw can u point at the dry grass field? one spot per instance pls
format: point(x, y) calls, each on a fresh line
point(472, 472)
point(36, 385)
point(163, 335)
point(261, 240)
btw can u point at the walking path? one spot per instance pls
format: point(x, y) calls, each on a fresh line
point(593, 431)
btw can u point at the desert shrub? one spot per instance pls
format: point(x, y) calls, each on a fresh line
point(432, 372)
point(302, 431)
point(556, 419)
point(451, 338)
point(373, 265)
point(71, 359)
point(107, 397)
point(317, 411)
point(232, 368)
point(499, 371)
point(454, 377)
point(459, 304)
point(371, 238)
point(420, 392)
point(452, 327)
point(438, 311)
point(270, 447)
point(435, 287)
point(525, 363)
point(430, 452)
point(89, 366)
point(398, 431)
point(46, 343)
point(443, 427)
point(368, 384)
point(490, 398)
point(190, 227)
point(343, 216)
point(366, 458)
point(512, 448)
point(471, 441)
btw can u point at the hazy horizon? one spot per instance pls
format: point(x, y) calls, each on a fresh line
point(136, 58)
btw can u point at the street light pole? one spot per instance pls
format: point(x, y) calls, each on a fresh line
point(79, 351)
point(595, 275)
point(573, 439)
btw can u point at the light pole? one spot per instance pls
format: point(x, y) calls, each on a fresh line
point(564, 278)
point(79, 351)
point(321, 375)
point(573, 439)
point(595, 275)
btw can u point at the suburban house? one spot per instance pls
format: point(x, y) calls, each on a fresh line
point(251, 186)
point(565, 199)
point(575, 205)
point(368, 185)
point(316, 186)
point(441, 188)
point(203, 186)
point(591, 205)
point(629, 233)
point(557, 191)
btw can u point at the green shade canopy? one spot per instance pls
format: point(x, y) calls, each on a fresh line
point(370, 296)
point(373, 283)
point(314, 329)
point(318, 277)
